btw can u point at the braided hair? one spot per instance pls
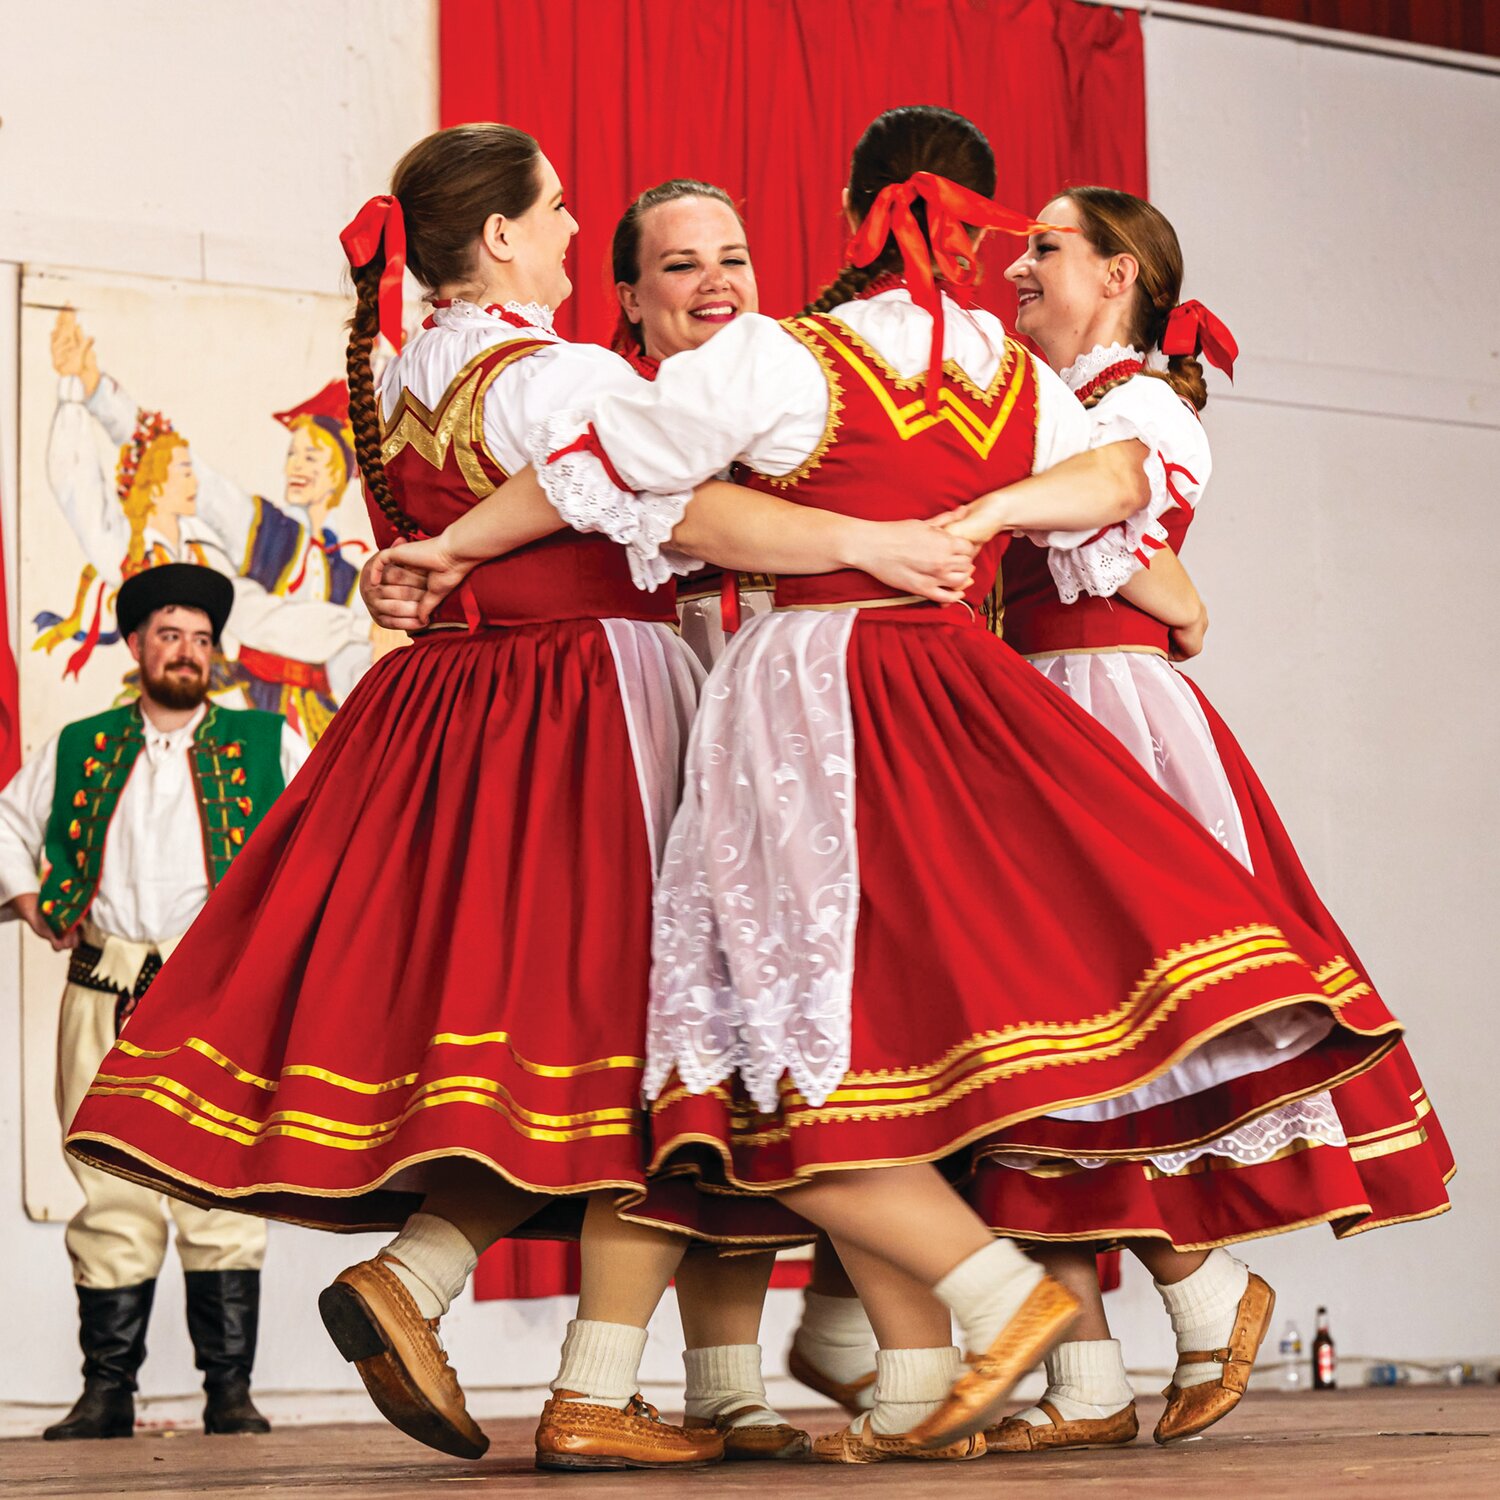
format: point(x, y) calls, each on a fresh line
point(448, 185)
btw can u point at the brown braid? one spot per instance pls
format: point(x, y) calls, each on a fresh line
point(364, 415)
point(844, 287)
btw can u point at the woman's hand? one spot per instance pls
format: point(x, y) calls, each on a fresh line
point(393, 595)
point(965, 524)
point(430, 566)
point(916, 557)
point(1187, 640)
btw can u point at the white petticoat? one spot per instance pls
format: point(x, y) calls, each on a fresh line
point(1147, 706)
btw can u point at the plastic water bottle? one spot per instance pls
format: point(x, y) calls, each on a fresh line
point(1291, 1359)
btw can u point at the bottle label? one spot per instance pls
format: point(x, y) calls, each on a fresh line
point(1325, 1363)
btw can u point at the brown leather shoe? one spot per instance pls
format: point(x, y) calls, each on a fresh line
point(864, 1446)
point(1015, 1436)
point(1198, 1407)
point(374, 1323)
point(754, 1441)
point(799, 1367)
point(977, 1395)
point(575, 1434)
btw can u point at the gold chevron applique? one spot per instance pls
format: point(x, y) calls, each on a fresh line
point(458, 422)
point(912, 418)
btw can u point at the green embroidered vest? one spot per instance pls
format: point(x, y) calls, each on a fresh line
point(236, 765)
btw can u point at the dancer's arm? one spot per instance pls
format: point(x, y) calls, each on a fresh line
point(1163, 589)
point(724, 524)
point(1086, 492)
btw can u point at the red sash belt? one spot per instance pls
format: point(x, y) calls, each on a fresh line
point(1042, 626)
point(564, 577)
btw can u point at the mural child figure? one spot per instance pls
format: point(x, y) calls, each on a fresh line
point(175, 784)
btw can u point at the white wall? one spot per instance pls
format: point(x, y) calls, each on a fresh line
point(1332, 215)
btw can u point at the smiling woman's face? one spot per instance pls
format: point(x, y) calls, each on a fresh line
point(696, 276)
point(1060, 282)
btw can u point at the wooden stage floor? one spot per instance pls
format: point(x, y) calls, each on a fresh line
point(1388, 1445)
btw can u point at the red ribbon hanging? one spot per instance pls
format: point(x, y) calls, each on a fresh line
point(379, 225)
point(950, 208)
point(1192, 329)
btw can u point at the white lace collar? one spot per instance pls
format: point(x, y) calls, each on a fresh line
point(457, 312)
point(1098, 359)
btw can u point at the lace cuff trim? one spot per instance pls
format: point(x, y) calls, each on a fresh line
point(1111, 558)
point(584, 496)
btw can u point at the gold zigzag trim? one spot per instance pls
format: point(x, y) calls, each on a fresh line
point(804, 336)
point(912, 418)
point(458, 421)
point(359, 1086)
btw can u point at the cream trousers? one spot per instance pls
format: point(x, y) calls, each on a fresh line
point(119, 1236)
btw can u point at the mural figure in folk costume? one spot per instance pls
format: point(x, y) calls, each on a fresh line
point(302, 636)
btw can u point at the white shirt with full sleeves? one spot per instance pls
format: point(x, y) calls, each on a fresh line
point(1177, 464)
point(755, 394)
point(154, 880)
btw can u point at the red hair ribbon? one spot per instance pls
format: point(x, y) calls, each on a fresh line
point(1192, 329)
point(949, 209)
point(380, 224)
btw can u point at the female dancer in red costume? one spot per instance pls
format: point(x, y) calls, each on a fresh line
point(682, 272)
point(1100, 302)
point(857, 975)
point(430, 1016)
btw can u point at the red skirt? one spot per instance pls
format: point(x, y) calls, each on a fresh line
point(1394, 1168)
point(435, 945)
point(1039, 928)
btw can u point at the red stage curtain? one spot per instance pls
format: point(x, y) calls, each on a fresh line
point(767, 97)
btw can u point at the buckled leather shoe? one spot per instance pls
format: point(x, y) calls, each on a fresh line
point(574, 1434)
point(978, 1394)
point(1197, 1407)
point(375, 1324)
point(859, 1443)
point(754, 1441)
point(1015, 1436)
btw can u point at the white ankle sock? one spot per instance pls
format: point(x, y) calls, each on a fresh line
point(911, 1384)
point(434, 1262)
point(835, 1335)
point(1202, 1308)
point(601, 1362)
point(1086, 1380)
point(725, 1377)
point(986, 1291)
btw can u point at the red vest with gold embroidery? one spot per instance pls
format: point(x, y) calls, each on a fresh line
point(439, 464)
point(884, 457)
point(1035, 622)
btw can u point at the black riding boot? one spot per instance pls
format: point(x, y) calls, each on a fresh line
point(112, 1332)
point(223, 1313)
